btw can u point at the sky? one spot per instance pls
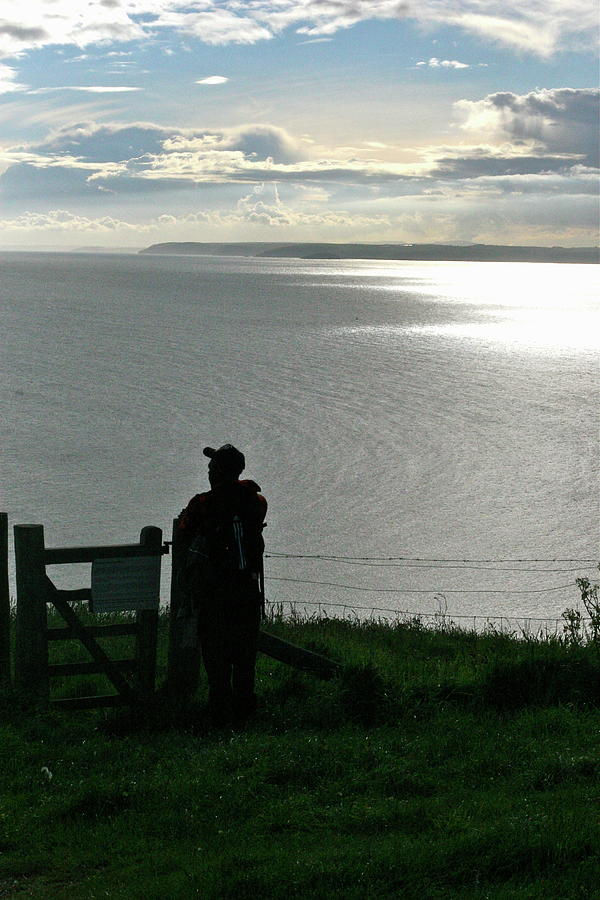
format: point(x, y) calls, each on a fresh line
point(125, 123)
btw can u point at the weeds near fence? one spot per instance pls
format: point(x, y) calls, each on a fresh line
point(576, 630)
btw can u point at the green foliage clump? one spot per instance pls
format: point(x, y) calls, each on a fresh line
point(576, 631)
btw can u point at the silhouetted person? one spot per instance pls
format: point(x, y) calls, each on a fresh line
point(223, 530)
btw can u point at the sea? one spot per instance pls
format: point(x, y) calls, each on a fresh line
point(426, 433)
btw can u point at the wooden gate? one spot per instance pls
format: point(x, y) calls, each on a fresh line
point(35, 591)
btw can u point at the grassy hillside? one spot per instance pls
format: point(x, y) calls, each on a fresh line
point(440, 764)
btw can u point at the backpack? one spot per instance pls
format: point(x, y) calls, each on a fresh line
point(230, 541)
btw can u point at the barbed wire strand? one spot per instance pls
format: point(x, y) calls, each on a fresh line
point(353, 587)
point(410, 565)
point(333, 557)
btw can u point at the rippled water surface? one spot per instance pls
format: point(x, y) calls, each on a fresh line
point(427, 410)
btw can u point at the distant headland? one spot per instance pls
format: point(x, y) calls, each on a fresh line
point(425, 252)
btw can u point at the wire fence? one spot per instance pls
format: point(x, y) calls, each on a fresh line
point(427, 559)
point(399, 590)
point(526, 625)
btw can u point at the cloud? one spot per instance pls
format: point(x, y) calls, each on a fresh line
point(22, 33)
point(91, 89)
point(63, 220)
point(254, 209)
point(213, 79)
point(516, 32)
point(252, 142)
point(264, 216)
point(576, 183)
point(522, 139)
point(491, 161)
point(111, 142)
point(435, 63)
point(326, 17)
point(37, 23)
point(264, 208)
point(203, 165)
point(536, 26)
point(536, 161)
point(275, 214)
point(8, 80)
point(561, 120)
point(215, 25)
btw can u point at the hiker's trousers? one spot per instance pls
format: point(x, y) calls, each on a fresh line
point(228, 625)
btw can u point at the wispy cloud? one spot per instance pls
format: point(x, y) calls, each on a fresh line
point(8, 80)
point(435, 63)
point(537, 27)
point(213, 79)
point(89, 89)
point(213, 24)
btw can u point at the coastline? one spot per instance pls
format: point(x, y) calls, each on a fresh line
point(399, 252)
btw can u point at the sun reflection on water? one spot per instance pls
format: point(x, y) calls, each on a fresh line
point(541, 306)
point(540, 327)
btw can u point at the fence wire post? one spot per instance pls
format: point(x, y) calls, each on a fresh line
point(31, 656)
point(4, 602)
point(183, 670)
point(147, 625)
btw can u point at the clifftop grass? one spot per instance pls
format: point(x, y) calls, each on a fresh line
point(439, 764)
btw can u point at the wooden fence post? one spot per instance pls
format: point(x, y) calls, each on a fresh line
point(147, 622)
point(4, 603)
point(184, 656)
point(31, 651)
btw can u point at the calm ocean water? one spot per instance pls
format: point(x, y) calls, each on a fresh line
point(424, 410)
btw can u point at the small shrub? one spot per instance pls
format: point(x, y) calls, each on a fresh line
point(575, 631)
point(591, 601)
point(572, 627)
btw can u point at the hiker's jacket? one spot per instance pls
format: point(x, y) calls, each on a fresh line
point(221, 530)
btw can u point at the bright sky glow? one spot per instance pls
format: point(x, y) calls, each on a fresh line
point(128, 122)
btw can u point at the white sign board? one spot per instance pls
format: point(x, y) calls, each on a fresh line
point(125, 583)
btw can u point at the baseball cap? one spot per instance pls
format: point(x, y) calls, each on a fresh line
point(228, 458)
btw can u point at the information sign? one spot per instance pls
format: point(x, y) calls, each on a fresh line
point(125, 583)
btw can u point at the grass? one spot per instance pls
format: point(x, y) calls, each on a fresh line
point(441, 764)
